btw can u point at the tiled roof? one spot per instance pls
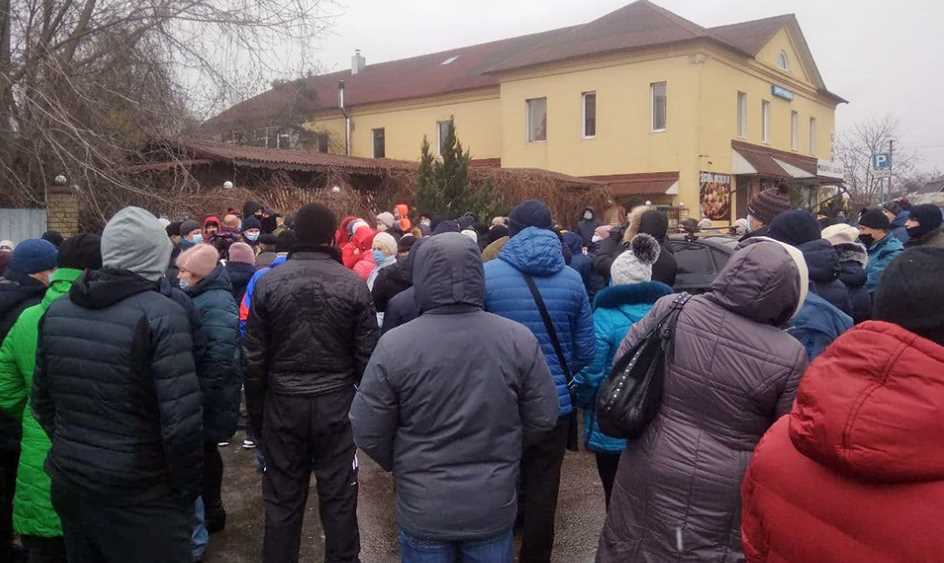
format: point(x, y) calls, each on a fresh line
point(291, 159)
point(637, 25)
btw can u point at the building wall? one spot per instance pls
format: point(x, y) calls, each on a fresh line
point(476, 116)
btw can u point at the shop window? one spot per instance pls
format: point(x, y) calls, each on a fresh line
point(589, 115)
point(765, 121)
point(537, 120)
point(794, 130)
point(742, 115)
point(443, 129)
point(812, 135)
point(380, 143)
point(658, 95)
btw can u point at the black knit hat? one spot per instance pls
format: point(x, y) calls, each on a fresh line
point(768, 204)
point(529, 213)
point(794, 227)
point(81, 252)
point(892, 207)
point(874, 218)
point(315, 224)
point(251, 223)
point(55, 237)
point(909, 293)
point(173, 229)
point(187, 227)
point(928, 217)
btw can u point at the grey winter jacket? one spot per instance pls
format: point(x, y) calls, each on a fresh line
point(448, 419)
point(732, 374)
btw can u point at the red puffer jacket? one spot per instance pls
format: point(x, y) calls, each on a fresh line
point(856, 471)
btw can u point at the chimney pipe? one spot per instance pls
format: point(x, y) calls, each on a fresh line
point(358, 62)
point(347, 119)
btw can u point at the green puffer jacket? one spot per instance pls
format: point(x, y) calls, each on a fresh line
point(33, 513)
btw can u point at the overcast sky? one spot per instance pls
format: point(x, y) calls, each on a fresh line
point(885, 57)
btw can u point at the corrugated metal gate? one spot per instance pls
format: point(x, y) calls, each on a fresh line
point(21, 224)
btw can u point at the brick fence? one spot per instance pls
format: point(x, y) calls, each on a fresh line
point(62, 211)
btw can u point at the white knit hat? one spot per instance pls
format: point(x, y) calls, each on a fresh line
point(841, 234)
point(385, 243)
point(635, 264)
point(471, 234)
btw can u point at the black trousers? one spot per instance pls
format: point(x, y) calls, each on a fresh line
point(44, 550)
point(156, 531)
point(9, 461)
point(212, 477)
point(607, 464)
point(541, 463)
point(301, 434)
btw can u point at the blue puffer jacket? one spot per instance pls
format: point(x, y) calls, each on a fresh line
point(538, 252)
point(615, 311)
point(880, 256)
point(897, 228)
point(817, 324)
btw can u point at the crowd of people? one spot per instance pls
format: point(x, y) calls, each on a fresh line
point(800, 403)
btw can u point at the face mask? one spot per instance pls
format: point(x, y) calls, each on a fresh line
point(915, 232)
point(426, 222)
point(197, 238)
point(588, 216)
point(252, 236)
point(379, 256)
point(184, 284)
point(750, 221)
point(867, 240)
point(596, 238)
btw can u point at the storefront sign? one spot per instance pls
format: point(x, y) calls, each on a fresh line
point(781, 92)
point(829, 169)
point(715, 196)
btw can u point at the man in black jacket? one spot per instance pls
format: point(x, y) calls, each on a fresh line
point(116, 390)
point(310, 334)
point(451, 417)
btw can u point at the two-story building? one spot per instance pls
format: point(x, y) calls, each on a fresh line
point(659, 107)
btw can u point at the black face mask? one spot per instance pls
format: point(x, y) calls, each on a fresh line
point(867, 240)
point(916, 232)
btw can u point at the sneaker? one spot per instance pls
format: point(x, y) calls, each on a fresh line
point(222, 444)
point(249, 444)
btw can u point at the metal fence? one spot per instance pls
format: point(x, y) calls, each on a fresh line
point(21, 224)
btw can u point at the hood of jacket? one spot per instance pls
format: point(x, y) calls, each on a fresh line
point(590, 220)
point(534, 251)
point(853, 252)
point(134, 240)
point(212, 219)
point(341, 236)
point(870, 406)
point(900, 220)
point(631, 294)
point(765, 281)
point(217, 279)
point(364, 238)
point(853, 259)
point(819, 315)
point(16, 288)
point(103, 288)
point(448, 271)
point(822, 260)
point(573, 242)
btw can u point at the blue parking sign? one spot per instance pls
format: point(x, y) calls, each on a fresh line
point(881, 161)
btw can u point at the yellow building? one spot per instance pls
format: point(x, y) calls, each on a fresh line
point(659, 107)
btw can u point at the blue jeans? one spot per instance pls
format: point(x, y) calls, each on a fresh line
point(200, 537)
point(497, 549)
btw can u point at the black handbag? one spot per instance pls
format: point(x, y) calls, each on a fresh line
point(630, 398)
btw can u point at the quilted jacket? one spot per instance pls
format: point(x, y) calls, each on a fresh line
point(33, 513)
point(538, 252)
point(732, 374)
point(818, 324)
point(880, 256)
point(616, 310)
point(856, 471)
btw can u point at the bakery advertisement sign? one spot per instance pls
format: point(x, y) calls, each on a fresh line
point(715, 196)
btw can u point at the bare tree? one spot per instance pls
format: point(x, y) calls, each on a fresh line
point(855, 149)
point(86, 84)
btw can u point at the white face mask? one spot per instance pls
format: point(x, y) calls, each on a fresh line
point(183, 283)
point(750, 221)
point(596, 238)
point(588, 216)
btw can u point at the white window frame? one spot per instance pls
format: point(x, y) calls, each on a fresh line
point(765, 121)
point(528, 124)
point(373, 142)
point(742, 127)
point(652, 106)
point(439, 138)
point(583, 114)
point(812, 135)
point(795, 130)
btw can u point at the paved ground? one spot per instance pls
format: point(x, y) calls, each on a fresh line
point(580, 513)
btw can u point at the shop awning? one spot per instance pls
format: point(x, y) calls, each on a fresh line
point(747, 158)
point(651, 183)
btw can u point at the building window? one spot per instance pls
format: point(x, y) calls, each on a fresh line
point(794, 130)
point(589, 115)
point(658, 105)
point(742, 115)
point(380, 145)
point(765, 121)
point(537, 120)
point(783, 61)
point(322, 142)
point(443, 129)
point(812, 135)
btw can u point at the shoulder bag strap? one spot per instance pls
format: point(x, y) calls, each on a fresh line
point(549, 326)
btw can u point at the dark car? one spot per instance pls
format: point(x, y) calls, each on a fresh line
point(700, 260)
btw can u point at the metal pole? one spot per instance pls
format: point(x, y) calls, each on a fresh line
point(891, 163)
